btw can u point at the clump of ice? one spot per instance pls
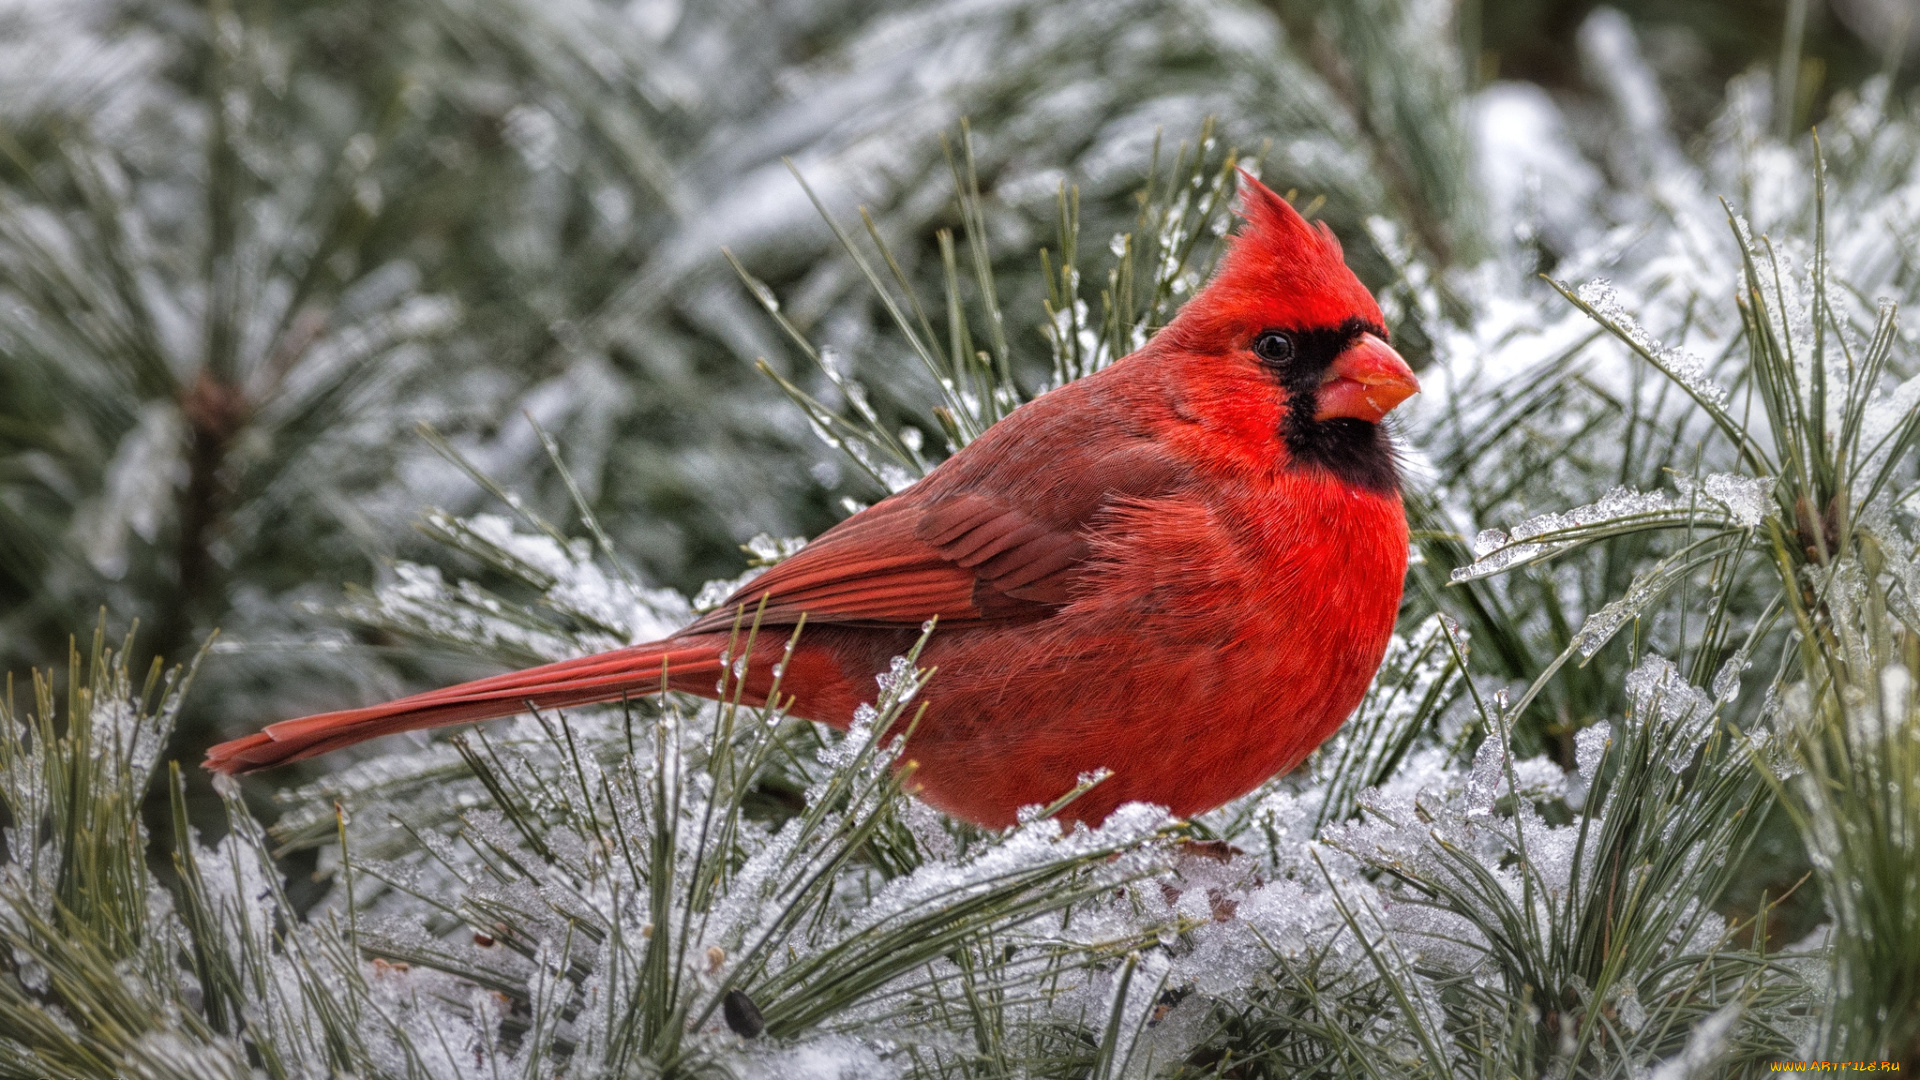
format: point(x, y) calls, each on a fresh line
point(1896, 697)
point(1747, 499)
point(1730, 499)
point(1538, 779)
point(614, 609)
point(1600, 627)
point(901, 681)
point(1704, 1046)
point(1535, 779)
point(1726, 681)
point(1538, 537)
point(1589, 747)
point(715, 592)
point(768, 549)
point(1488, 779)
point(1620, 504)
point(1627, 1002)
point(1662, 696)
point(896, 478)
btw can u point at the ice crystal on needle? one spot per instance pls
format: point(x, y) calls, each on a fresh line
point(1682, 366)
point(1680, 711)
point(1488, 778)
point(605, 608)
point(1539, 537)
point(1747, 499)
point(1718, 499)
point(1589, 747)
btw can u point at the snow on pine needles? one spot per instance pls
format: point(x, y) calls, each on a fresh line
point(1684, 475)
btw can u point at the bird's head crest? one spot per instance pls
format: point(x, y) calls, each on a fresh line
point(1279, 270)
point(1285, 314)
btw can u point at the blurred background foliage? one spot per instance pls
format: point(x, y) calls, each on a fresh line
point(1695, 46)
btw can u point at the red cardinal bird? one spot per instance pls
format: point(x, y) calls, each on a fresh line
point(1183, 569)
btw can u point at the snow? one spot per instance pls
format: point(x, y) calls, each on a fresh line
point(1590, 745)
point(1344, 868)
point(1748, 499)
point(830, 1058)
point(1719, 499)
point(146, 469)
point(1705, 1045)
point(1496, 552)
point(1663, 698)
point(1684, 367)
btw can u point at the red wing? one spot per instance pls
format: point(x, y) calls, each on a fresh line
point(994, 535)
point(1015, 558)
point(872, 569)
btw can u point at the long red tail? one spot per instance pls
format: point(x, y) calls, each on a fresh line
point(688, 665)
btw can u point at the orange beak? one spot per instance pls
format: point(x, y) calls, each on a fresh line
point(1365, 382)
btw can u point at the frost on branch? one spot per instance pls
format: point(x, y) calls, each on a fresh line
point(1720, 500)
point(566, 895)
point(1477, 877)
point(1665, 699)
point(1746, 499)
point(584, 607)
point(1682, 366)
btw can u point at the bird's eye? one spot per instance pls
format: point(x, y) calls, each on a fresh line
point(1273, 347)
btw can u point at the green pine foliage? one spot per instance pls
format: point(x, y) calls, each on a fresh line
point(1636, 792)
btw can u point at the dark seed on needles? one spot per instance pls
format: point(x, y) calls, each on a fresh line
point(743, 1016)
point(1166, 1003)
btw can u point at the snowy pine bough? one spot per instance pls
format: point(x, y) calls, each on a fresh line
point(1662, 594)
